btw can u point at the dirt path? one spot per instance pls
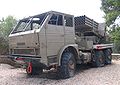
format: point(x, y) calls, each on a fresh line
point(108, 75)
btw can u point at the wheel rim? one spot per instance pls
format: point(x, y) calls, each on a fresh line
point(71, 66)
point(101, 60)
point(109, 56)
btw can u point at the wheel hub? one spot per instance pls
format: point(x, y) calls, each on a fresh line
point(71, 64)
point(71, 67)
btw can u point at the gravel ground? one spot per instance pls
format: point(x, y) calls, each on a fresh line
point(108, 75)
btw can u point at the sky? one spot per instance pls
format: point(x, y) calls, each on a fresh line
point(24, 8)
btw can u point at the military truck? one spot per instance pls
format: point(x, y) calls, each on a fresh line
point(57, 42)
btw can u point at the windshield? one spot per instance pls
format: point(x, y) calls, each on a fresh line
point(30, 23)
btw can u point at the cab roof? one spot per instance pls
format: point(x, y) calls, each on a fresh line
point(46, 13)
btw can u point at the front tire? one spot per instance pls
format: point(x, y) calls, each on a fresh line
point(68, 65)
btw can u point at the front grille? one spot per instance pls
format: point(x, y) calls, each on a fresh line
point(24, 51)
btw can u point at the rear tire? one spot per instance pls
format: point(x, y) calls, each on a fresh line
point(108, 56)
point(99, 59)
point(68, 65)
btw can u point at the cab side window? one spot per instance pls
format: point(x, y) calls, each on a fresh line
point(68, 21)
point(56, 20)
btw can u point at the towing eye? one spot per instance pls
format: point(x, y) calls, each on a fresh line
point(29, 68)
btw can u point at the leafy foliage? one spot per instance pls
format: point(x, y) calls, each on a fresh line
point(111, 9)
point(6, 26)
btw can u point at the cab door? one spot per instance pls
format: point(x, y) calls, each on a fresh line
point(69, 29)
point(54, 34)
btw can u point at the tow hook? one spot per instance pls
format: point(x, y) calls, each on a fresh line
point(29, 68)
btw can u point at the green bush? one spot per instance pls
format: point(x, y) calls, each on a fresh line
point(3, 46)
point(6, 26)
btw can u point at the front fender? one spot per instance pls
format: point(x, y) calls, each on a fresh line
point(62, 50)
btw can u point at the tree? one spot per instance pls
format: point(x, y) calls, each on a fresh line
point(111, 9)
point(6, 26)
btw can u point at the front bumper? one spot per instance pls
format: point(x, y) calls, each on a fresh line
point(23, 59)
